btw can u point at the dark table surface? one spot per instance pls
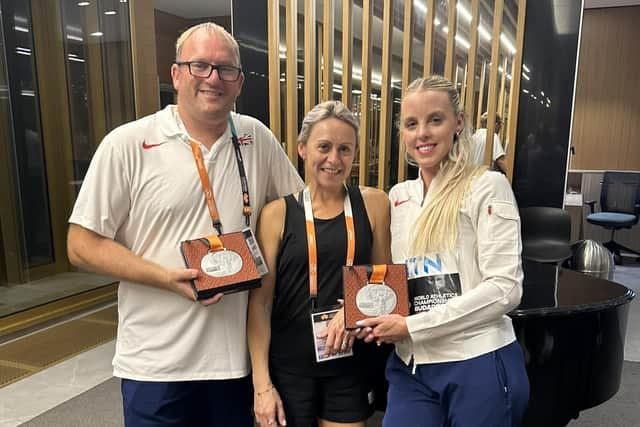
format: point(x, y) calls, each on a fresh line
point(554, 290)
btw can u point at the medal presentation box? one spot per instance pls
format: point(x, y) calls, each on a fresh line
point(364, 299)
point(235, 267)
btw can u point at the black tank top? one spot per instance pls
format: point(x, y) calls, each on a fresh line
point(292, 348)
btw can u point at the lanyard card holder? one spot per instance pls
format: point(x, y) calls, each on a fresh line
point(320, 319)
point(374, 290)
point(227, 263)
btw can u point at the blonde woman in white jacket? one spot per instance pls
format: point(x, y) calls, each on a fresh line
point(457, 361)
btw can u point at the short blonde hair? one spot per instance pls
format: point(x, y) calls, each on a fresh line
point(212, 29)
point(327, 110)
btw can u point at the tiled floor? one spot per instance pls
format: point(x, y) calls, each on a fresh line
point(25, 399)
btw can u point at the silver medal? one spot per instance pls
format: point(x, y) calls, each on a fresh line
point(376, 300)
point(221, 263)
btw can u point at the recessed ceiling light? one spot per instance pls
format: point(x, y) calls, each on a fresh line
point(83, 3)
point(97, 34)
point(109, 12)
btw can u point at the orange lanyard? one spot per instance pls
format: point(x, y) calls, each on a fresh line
point(206, 185)
point(311, 239)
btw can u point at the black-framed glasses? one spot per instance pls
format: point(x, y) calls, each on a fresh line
point(226, 73)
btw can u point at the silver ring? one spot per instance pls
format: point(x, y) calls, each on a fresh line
point(345, 341)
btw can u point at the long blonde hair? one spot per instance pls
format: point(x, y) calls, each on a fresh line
point(436, 228)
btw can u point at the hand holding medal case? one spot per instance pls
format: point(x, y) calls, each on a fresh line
point(227, 263)
point(374, 290)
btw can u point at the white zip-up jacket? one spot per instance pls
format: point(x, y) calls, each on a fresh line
point(488, 258)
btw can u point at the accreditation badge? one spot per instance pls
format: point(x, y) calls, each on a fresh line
point(319, 322)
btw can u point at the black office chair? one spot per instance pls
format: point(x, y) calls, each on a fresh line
point(546, 234)
point(619, 208)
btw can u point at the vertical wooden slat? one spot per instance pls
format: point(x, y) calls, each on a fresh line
point(273, 28)
point(428, 37)
point(493, 81)
point(516, 75)
point(386, 99)
point(407, 62)
point(327, 50)
point(464, 85)
point(503, 80)
point(365, 87)
point(471, 62)
point(503, 110)
point(481, 94)
point(347, 52)
point(451, 40)
point(292, 80)
point(455, 75)
point(143, 54)
point(309, 55)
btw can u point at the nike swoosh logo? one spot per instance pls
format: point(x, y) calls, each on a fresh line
point(399, 202)
point(147, 146)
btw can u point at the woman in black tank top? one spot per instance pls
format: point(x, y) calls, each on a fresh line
point(290, 384)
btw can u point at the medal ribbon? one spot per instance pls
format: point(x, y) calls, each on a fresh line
point(378, 273)
point(311, 238)
point(206, 185)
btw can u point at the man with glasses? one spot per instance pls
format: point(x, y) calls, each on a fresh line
point(181, 362)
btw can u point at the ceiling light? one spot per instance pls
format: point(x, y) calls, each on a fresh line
point(97, 34)
point(109, 12)
point(83, 3)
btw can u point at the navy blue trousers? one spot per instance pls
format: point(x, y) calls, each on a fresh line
point(491, 390)
point(223, 403)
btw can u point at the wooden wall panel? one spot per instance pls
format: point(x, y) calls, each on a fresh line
point(449, 62)
point(327, 49)
point(273, 30)
point(143, 53)
point(386, 100)
point(493, 80)
point(168, 28)
point(606, 123)
point(516, 73)
point(428, 37)
point(347, 52)
point(309, 55)
point(291, 133)
point(365, 86)
point(471, 64)
point(407, 64)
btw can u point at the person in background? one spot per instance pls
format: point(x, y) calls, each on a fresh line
point(305, 276)
point(181, 362)
point(457, 363)
point(479, 142)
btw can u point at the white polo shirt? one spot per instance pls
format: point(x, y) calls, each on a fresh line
point(487, 258)
point(142, 189)
point(478, 144)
